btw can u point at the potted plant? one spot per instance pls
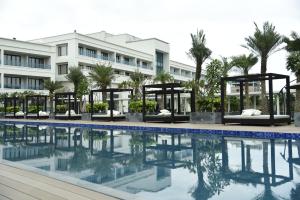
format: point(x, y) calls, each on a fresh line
point(135, 110)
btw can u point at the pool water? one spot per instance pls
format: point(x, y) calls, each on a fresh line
point(158, 165)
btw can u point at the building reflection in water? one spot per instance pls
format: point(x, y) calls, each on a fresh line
point(142, 161)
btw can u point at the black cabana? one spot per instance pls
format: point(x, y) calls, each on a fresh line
point(111, 116)
point(16, 107)
point(164, 90)
point(66, 106)
point(39, 108)
point(270, 119)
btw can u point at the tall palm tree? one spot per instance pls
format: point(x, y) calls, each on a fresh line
point(164, 77)
point(103, 75)
point(293, 62)
point(245, 63)
point(264, 43)
point(199, 52)
point(52, 86)
point(137, 80)
point(75, 76)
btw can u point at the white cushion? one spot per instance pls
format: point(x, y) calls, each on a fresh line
point(247, 112)
point(164, 114)
point(115, 112)
point(19, 113)
point(71, 111)
point(164, 111)
point(256, 113)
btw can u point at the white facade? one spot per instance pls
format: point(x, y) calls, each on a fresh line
point(55, 55)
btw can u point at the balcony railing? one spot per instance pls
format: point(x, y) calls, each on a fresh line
point(26, 64)
point(93, 55)
point(126, 62)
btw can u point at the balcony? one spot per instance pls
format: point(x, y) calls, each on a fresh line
point(26, 64)
point(93, 55)
point(126, 62)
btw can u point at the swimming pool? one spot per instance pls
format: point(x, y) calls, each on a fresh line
point(159, 163)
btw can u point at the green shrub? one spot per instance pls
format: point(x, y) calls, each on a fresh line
point(10, 109)
point(61, 108)
point(137, 106)
point(100, 106)
point(33, 109)
point(1, 109)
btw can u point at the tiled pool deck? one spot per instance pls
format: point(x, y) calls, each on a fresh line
point(16, 183)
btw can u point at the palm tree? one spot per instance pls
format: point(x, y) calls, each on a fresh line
point(164, 77)
point(103, 76)
point(264, 43)
point(293, 62)
point(199, 52)
point(52, 86)
point(245, 63)
point(137, 80)
point(75, 76)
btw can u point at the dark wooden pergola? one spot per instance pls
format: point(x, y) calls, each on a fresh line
point(41, 102)
point(165, 89)
point(13, 101)
point(71, 100)
point(111, 103)
point(270, 77)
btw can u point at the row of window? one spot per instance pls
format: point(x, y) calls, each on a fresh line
point(177, 71)
point(15, 83)
point(15, 60)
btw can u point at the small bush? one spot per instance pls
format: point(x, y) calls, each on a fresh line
point(61, 108)
point(100, 106)
point(10, 109)
point(33, 109)
point(137, 106)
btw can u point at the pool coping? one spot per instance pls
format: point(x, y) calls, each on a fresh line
point(160, 129)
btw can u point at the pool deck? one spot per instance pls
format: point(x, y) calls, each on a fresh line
point(16, 183)
point(280, 128)
point(19, 184)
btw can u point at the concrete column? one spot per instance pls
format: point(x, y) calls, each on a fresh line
point(2, 80)
point(2, 57)
point(228, 108)
point(277, 105)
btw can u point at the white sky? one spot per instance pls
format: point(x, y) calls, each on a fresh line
point(225, 22)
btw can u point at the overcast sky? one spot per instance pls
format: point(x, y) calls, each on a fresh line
point(225, 22)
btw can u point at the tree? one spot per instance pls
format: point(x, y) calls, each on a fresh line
point(264, 43)
point(199, 52)
point(75, 76)
point(137, 80)
point(214, 72)
point(164, 77)
point(83, 89)
point(103, 76)
point(293, 62)
point(244, 63)
point(52, 86)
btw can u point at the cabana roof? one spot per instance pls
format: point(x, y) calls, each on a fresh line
point(255, 77)
point(295, 86)
point(113, 90)
point(163, 85)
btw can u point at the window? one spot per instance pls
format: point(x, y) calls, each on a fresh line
point(35, 84)
point(127, 74)
point(62, 50)
point(36, 62)
point(104, 55)
point(91, 53)
point(12, 82)
point(144, 64)
point(117, 72)
point(13, 60)
point(138, 63)
point(159, 62)
point(118, 58)
point(62, 69)
point(80, 51)
point(126, 60)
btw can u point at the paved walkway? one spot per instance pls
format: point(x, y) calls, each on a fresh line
point(18, 184)
point(282, 128)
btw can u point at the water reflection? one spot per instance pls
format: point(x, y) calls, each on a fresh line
point(148, 163)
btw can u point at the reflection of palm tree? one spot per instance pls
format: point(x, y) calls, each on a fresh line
point(206, 161)
point(267, 194)
point(295, 193)
point(79, 161)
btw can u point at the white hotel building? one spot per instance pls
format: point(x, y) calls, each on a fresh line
point(25, 65)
